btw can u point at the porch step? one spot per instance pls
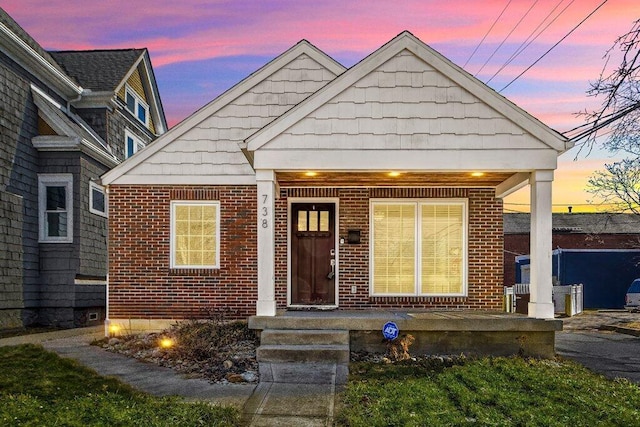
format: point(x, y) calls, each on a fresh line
point(303, 356)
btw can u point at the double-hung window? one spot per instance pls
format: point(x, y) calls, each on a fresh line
point(55, 208)
point(136, 106)
point(132, 144)
point(418, 247)
point(195, 234)
point(97, 199)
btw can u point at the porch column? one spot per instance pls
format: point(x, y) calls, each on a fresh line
point(266, 180)
point(541, 303)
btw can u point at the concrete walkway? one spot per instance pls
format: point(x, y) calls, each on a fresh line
point(267, 404)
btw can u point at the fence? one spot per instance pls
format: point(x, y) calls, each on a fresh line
point(566, 299)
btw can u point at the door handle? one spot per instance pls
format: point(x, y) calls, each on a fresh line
point(332, 273)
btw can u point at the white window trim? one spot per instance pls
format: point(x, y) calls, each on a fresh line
point(172, 245)
point(139, 102)
point(418, 203)
point(95, 186)
point(137, 143)
point(47, 180)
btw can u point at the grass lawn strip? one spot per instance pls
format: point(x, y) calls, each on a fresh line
point(490, 391)
point(39, 388)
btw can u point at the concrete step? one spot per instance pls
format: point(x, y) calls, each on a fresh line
point(304, 373)
point(281, 353)
point(304, 337)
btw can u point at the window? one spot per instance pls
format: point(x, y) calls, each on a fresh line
point(195, 234)
point(55, 208)
point(136, 106)
point(97, 199)
point(133, 144)
point(418, 247)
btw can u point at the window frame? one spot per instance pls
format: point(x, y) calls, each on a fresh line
point(102, 189)
point(51, 180)
point(138, 103)
point(138, 144)
point(418, 205)
point(172, 234)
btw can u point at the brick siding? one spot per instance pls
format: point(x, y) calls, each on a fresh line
point(141, 284)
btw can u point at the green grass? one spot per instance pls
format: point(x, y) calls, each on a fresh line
point(487, 392)
point(38, 388)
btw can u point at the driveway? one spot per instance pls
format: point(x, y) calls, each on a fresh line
point(609, 353)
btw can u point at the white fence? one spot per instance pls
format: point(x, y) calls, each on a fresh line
point(566, 299)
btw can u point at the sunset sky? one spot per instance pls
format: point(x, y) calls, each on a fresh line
point(200, 48)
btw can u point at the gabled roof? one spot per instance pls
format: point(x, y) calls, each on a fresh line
point(583, 223)
point(72, 131)
point(301, 48)
point(407, 41)
point(98, 70)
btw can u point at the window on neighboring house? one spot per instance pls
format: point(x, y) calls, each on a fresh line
point(133, 144)
point(195, 234)
point(136, 106)
point(418, 247)
point(55, 208)
point(97, 199)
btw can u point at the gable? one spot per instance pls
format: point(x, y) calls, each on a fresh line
point(211, 150)
point(135, 83)
point(404, 104)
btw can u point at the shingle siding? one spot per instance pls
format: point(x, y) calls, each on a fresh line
point(18, 193)
point(404, 104)
point(214, 146)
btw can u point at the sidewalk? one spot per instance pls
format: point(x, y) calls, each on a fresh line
point(265, 404)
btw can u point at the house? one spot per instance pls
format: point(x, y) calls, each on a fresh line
point(583, 231)
point(311, 186)
point(65, 119)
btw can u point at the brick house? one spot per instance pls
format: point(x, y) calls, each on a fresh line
point(312, 186)
point(65, 119)
point(570, 231)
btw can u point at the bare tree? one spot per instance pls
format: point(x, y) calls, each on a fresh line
point(618, 121)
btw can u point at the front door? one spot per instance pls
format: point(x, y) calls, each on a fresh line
point(313, 254)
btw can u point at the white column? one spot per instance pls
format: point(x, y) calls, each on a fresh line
point(266, 305)
point(541, 303)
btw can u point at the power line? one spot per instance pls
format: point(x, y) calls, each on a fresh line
point(554, 46)
point(485, 36)
point(527, 41)
point(508, 35)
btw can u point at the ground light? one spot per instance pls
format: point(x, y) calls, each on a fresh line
point(167, 343)
point(114, 330)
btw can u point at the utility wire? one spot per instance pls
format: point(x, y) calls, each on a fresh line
point(505, 39)
point(485, 36)
point(599, 125)
point(528, 42)
point(554, 46)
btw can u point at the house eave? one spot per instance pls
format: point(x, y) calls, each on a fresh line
point(57, 143)
point(27, 57)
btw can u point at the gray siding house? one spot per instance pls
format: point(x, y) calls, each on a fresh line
point(65, 119)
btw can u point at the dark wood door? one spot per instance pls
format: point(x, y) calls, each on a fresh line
point(313, 254)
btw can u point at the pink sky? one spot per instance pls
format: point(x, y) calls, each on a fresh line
point(199, 48)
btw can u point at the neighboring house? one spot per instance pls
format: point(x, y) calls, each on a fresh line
point(65, 119)
point(308, 186)
point(570, 231)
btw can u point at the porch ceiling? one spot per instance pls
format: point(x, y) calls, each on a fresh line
point(369, 179)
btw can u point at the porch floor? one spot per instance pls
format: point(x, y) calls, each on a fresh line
point(435, 332)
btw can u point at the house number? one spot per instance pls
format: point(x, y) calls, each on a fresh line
point(265, 212)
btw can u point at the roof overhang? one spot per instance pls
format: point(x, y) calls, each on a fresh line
point(31, 60)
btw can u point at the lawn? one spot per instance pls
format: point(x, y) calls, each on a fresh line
point(38, 388)
point(486, 392)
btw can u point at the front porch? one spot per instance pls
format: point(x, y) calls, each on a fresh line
point(292, 340)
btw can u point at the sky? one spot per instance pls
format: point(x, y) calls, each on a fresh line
point(200, 48)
